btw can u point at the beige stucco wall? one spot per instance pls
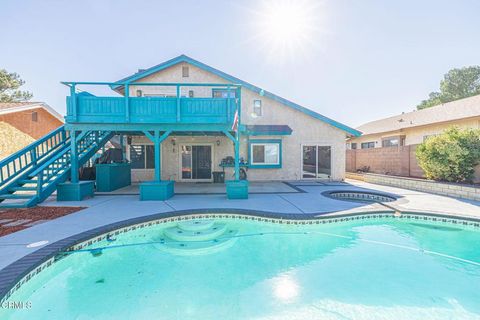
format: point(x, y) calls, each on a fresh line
point(415, 135)
point(306, 130)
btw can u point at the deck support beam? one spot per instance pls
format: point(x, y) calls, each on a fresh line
point(157, 140)
point(157, 189)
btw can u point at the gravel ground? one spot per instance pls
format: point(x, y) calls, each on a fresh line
point(33, 214)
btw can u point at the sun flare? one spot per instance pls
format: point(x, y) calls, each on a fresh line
point(286, 28)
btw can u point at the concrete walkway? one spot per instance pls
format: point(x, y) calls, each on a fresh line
point(107, 209)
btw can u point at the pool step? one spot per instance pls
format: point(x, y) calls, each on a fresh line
point(196, 237)
point(196, 225)
point(179, 234)
point(199, 247)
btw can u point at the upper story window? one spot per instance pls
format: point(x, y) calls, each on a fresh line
point(257, 107)
point(368, 145)
point(34, 116)
point(223, 93)
point(353, 146)
point(185, 72)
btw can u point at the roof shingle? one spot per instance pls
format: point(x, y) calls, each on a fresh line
point(455, 110)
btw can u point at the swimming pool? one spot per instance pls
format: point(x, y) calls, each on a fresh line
point(230, 268)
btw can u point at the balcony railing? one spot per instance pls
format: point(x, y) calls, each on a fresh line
point(87, 108)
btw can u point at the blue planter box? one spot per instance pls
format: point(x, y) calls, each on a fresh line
point(237, 189)
point(156, 190)
point(75, 191)
point(113, 176)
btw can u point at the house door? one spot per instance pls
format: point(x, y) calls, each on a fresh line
point(316, 161)
point(196, 162)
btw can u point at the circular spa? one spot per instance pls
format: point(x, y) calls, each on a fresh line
point(361, 196)
point(239, 267)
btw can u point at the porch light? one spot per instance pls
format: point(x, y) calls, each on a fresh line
point(218, 142)
point(139, 93)
point(174, 141)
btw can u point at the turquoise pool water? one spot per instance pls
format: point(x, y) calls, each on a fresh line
point(374, 269)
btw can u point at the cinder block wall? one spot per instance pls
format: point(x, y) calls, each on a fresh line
point(395, 161)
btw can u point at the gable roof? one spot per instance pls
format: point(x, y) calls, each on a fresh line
point(12, 107)
point(451, 111)
point(230, 78)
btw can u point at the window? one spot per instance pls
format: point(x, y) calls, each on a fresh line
point(142, 156)
point(368, 145)
point(185, 72)
point(354, 145)
point(391, 142)
point(265, 153)
point(223, 93)
point(34, 116)
point(257, 107)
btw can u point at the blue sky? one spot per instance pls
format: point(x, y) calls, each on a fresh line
point(365, 59)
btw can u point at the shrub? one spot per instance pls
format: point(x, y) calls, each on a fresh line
point(450, 156)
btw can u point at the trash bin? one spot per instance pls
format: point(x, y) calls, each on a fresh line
point(218, 176)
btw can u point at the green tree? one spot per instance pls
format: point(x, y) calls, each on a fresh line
point(450, 156)
point(9, 84)
point(456, 84)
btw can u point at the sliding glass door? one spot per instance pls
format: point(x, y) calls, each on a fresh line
point(316, 162)
point(196, 162)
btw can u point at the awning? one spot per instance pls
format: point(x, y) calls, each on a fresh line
point(268, 130)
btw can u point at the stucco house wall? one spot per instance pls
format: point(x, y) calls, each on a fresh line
point(306, 130)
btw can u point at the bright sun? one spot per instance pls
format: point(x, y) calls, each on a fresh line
point(287, 27)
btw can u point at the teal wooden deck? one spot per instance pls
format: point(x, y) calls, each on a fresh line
point(32, 174)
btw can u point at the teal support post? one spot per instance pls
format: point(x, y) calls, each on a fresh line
point(73, 101)
point(122, 147)
point(157, 140)
point(157, 189)
point(237, 156)
point(73, 157)
point(158, 159)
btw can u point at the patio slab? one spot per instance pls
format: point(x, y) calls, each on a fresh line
point(211, 188)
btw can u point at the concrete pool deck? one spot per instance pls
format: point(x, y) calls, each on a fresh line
point(307, 202)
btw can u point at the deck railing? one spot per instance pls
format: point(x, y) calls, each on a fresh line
point(87, 108)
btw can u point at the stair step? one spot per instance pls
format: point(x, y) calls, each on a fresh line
point(28, 181)
point(23, 189)
point(13, 205)
point(215, 231)
point(16, 196)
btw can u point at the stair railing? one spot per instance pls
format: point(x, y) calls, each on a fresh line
point(54, 168)
point(32, 155)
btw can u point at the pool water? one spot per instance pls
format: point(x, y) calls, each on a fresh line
point(369, 269)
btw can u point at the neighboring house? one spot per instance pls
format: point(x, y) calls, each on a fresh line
point(280, 139)
point(387, 146)
point(414, 127)
point(35, 119)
